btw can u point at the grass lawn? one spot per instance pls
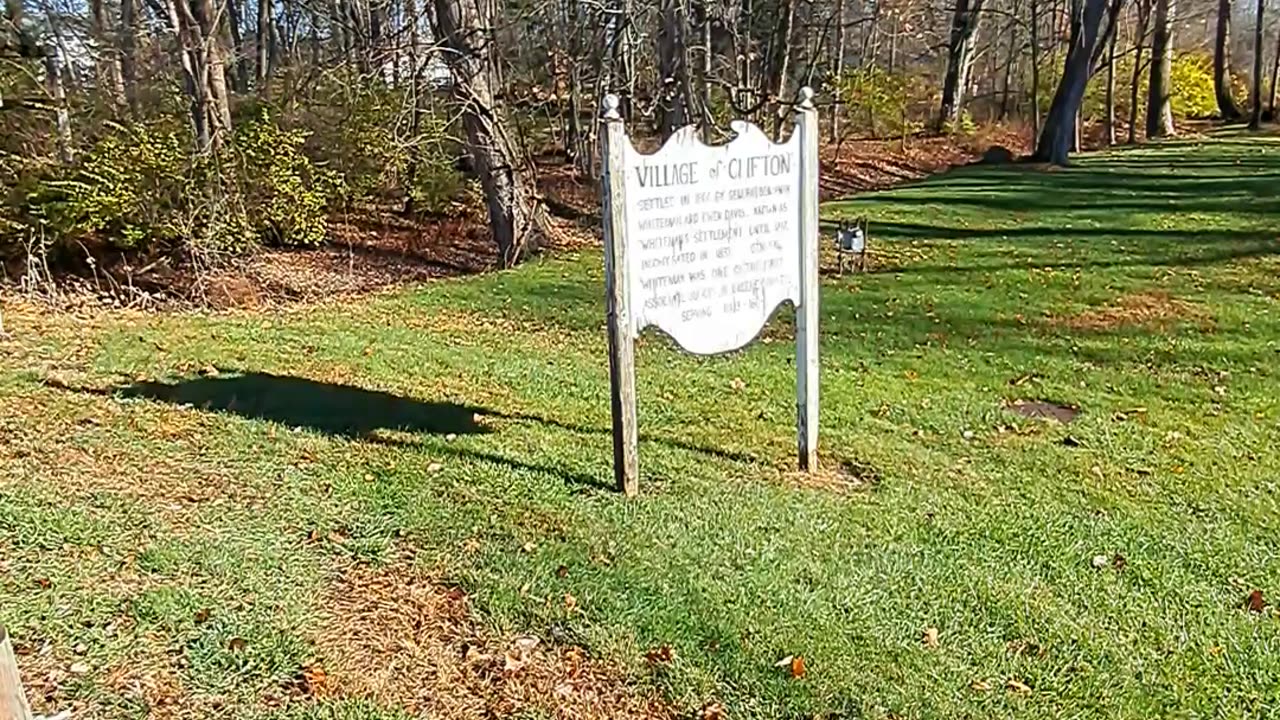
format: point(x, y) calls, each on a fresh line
point(164, 524)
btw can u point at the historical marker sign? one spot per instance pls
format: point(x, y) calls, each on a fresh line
point(712, 236)
point(705, 243)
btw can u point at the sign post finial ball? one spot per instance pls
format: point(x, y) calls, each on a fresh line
point(610, 105)
point(806, 98)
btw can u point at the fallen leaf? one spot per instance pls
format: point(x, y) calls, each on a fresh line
point(43, 582)
point(737, 383)
point(570, 602)
point(911, 375)
point(368, 351)
point(513, 662)
point(1119, 562)
point(797, 666)
point(1255, 602)
point(784, 662)
point(661, 655)
point(314, 679)
point(1216, 650)
point(237, 644)
point(528, 547)
point(1017, 686)
point(930, 637)
point(1099, 561)
point(79, 668)
point(980, 685)
point(525, 643)
point(434, 467)
point(209, 371)
point(562, 571)
point(713, 711)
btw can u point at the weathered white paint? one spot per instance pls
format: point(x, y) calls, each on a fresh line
point(807, 311)
point(712, 236)
point(704, 243)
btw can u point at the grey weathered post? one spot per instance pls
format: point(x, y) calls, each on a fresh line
point(622, 352)
point(807, 312)
point(13, 701)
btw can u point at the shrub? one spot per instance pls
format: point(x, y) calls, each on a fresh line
point(286, 196)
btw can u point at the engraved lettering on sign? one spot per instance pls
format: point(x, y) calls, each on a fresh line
point(711, 231)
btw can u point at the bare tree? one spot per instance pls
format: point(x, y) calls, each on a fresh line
point(965, 19)
point(1139, 42)
point(516, 217)
point(1222, 63)
point(1058, 136)
point(1159, 93)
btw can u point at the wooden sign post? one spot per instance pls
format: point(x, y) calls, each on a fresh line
point(705, 242)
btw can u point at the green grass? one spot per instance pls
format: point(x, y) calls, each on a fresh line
point(126, 508)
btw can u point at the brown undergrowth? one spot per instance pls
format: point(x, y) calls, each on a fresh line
point(393, 636)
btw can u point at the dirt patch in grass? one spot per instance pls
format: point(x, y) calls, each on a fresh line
point(1045, 410)
point(392, 636)
point(1156, 310)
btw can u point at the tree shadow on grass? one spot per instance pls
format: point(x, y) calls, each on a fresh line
point(355, 413)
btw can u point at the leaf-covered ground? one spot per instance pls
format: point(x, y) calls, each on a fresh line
point(369, 508)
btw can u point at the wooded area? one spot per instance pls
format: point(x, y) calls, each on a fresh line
point(206, 128)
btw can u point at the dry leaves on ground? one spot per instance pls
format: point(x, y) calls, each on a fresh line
point(393, 636)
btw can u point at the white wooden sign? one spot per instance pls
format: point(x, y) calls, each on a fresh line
point(711, 235)
point(705, 243)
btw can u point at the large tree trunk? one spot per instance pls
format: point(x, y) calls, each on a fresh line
point(1159, 105)
point(205, 71)
point(1222, 63)
point(1259, 52)
point(960, 53)
point(516, 218)
point(1058, 135)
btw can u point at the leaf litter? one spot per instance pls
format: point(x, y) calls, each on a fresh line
point(393, 636)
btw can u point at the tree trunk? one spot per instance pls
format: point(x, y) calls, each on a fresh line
point(129, 51)
point(672, 72)
point(1139, 42)
point(1111, 83)
point(1159, 107)
point(1275, 76)
point(1259, 52)
point(1057, 136)
point(206, 73)
point(1035, 68)
point(235, 18)
point(110, 77)
point(780, 65)
point(263, 48)
point(516, 218)
point(837, 70)
point(1222, 64)
point(58, 94)
point(960, 54)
